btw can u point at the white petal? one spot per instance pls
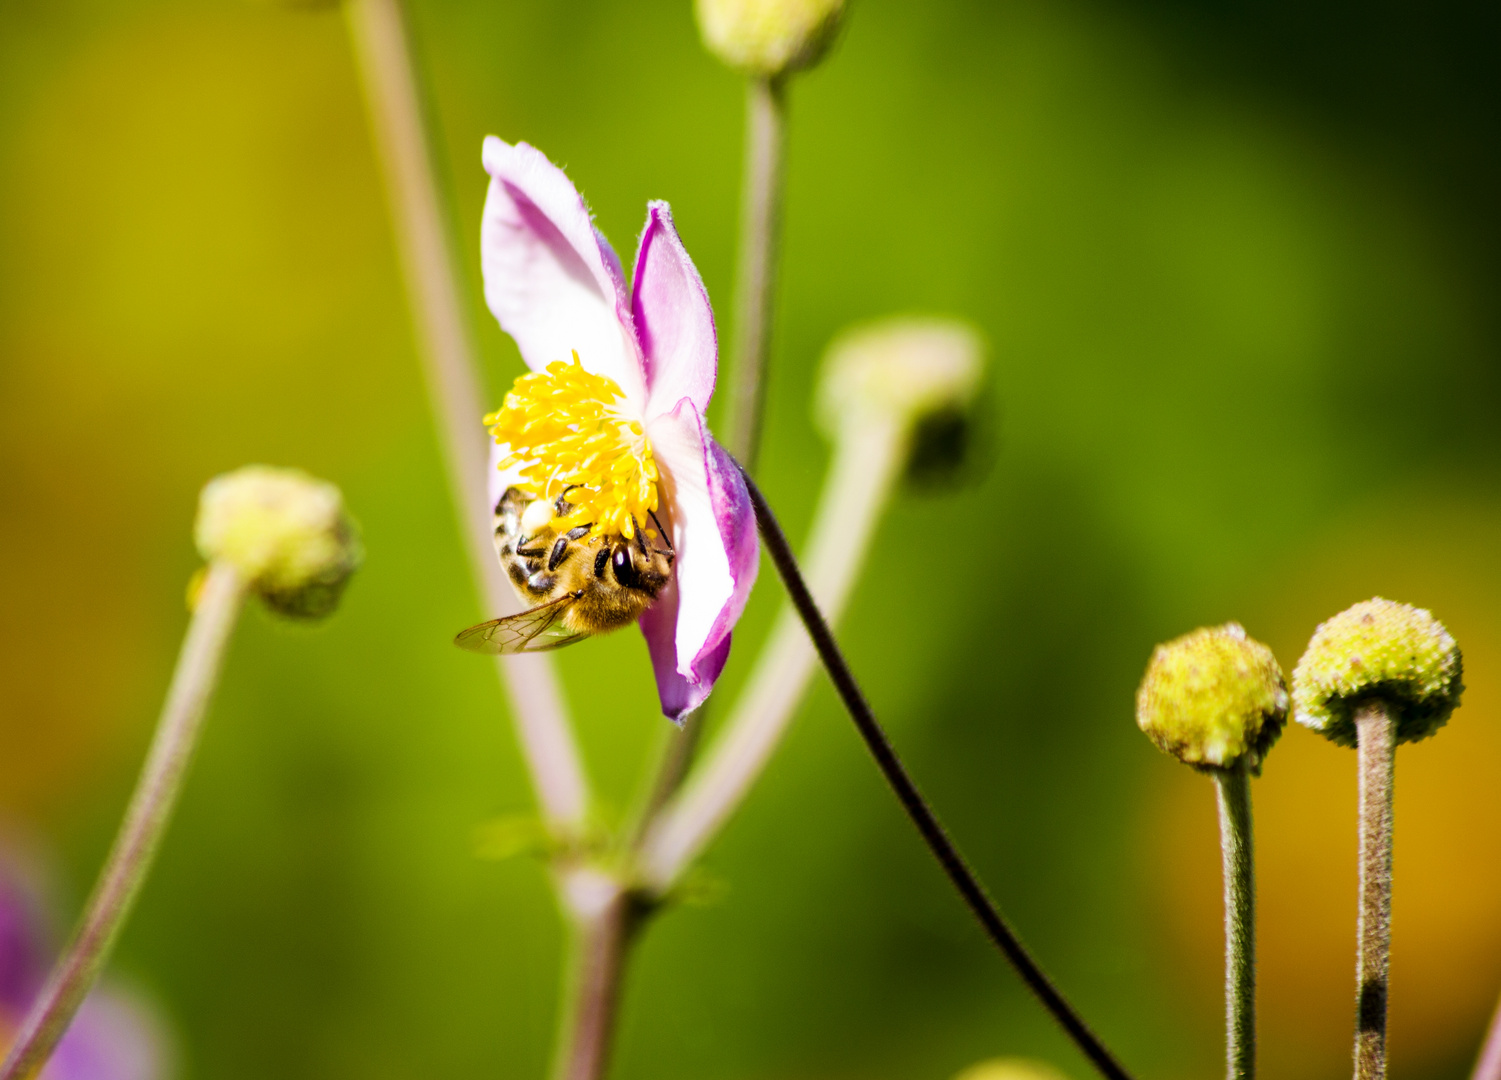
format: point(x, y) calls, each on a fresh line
point(551, 279)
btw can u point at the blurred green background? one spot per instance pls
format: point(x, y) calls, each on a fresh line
point(1238, 265)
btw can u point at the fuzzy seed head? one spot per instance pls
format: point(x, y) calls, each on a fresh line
point(286, 533)
point(768, 37)
point(1378, 650)
point(1213, 699)
point(1011, 1069)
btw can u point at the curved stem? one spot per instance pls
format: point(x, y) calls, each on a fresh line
point(1488, 1067)
point(1376, 732)
point(1234, 788)
point(397, 119)
point(755, 282)
point(867, 457)
point(933, 834)
point(140, 833)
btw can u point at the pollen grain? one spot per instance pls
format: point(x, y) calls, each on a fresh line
point(562, 427)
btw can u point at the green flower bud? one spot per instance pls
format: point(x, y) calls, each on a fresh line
point(1213, 698)
point(1011, 1069)
point(923, 375)
point(768, 37)
point(907, 367)
point(1382, 650)
point(286, 533)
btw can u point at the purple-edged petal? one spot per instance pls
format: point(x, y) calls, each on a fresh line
point(551, 279)
point(112, 1038)
point(674, 321)
point(22, 966)
point(714, 534)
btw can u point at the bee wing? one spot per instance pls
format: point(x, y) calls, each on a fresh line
point(537, 630)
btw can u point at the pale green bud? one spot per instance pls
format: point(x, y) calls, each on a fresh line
point(1213, 699)
point(922, 374)
point(286, 533)
point(1378, 650)
point(1011, 1069)
point(908, 367)
point(768, 37)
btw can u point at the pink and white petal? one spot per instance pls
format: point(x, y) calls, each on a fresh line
point(674, 320)
point(114, 1037)
point(679, 694)
point(551, 279)
point(714, 535)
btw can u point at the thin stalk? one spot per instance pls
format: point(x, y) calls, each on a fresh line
point(678, 749)
point(756, 276)
point(1376, 734)
point(1488, 1067)
point(917, 808)
point(1234, 788)
point(605, 916)
point(145, 821)
point(867, 457)
point(398, 122)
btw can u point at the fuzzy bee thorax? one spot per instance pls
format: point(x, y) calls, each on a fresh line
point(604, 581)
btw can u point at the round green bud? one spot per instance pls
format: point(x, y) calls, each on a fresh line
point(768, 37)
point(1011, 1069)
point(1213, 699)
point(1378, 650)
point(286, 533)
point(904, 367)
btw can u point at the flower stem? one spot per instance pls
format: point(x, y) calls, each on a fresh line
point(606, 916)
point(867, 456)
point(760, 240)
point(912, 801)
point(1376, 735)
point(398, 121)
point(1234, 787)
point(145, 821)
point(1488, 1067)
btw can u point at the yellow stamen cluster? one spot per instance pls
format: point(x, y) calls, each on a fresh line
point(561, 425)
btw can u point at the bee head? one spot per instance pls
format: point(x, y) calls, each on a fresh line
point(645, 570)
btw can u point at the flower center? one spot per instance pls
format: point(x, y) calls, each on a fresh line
point(560, 423)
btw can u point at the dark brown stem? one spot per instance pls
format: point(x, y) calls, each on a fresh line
point(1376, 734)
point(603, 938)
point(922, 815)
point(755, 283)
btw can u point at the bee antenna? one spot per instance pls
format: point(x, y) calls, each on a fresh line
point(660, 531)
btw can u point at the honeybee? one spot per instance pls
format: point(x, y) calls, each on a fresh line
point(581, 585)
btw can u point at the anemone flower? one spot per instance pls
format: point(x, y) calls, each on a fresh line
point(111, 1038)
point(613, 411)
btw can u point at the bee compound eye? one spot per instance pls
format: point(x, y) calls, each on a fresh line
point(625, 569)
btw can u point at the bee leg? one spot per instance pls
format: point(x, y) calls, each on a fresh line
point(578, 533)
point(601, 561)
point(559, 553)
point(561, 504)
point(530, 553)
